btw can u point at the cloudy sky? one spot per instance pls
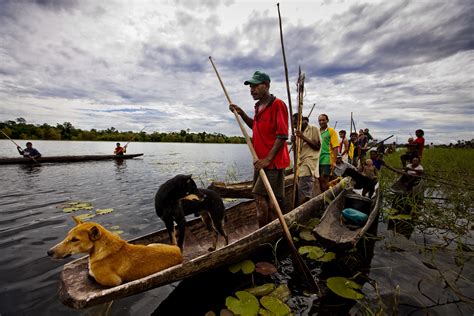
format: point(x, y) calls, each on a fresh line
point(397, 65)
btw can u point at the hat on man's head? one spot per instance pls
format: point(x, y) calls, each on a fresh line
point(258, 77)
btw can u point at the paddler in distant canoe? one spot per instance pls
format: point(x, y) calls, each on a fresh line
point(29, 151)
point(119, 150)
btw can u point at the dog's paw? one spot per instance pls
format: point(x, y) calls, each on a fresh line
point(211, 249)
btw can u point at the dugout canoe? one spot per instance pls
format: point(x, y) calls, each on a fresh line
point(78, 290)
point(400, 188)
point(240, 190)
point(334, 233)
point(10, 161)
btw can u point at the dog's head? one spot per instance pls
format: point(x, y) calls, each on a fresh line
point(189, 188)
point(80, 239)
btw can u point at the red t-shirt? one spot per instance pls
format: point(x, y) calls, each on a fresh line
point(268, 125)
point(421, 145)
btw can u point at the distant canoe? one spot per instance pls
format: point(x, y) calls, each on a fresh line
point(78, 290)
point(11, 161)
point(332, 232)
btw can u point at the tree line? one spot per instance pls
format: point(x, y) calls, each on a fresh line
point(20, 129)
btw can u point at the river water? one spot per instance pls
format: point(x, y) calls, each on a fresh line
point(32, 221)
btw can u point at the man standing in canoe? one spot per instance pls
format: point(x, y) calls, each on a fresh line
point(29, 151)
point(270, 133)
point(329, 149)
point(119, 150)
point(308, 162)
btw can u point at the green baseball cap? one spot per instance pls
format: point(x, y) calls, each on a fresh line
point(258, 77)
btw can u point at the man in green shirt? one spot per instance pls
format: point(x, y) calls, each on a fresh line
point(329, 148)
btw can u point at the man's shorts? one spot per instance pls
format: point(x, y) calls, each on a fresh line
point(305, 186)
point(276, 177)
point(324, 170)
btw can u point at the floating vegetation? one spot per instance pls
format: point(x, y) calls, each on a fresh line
point(244, 304)
point(345, 288)
point(104, 211)
point(85, 216)
point(265, 268)
point(307, 235)
point(70, 207)
point(316, 253)
point(262, 290)
point(274, 306)
point(247, 267)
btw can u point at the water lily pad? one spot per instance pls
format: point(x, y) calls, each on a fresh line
point(262, 290)
point(282, 292)
point(328, 256)
point(104, 211)
point(244, 304)
point(115, 227)
point(312, 223)
point(70, 207)
point(265, 268)
point(246, 266)
point(117, 232)
point(313, 252)
point(345, 288)
point(307, 235)
point(84, 216)
point(275, 306)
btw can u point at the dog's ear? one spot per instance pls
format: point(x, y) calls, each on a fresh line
point(94, 233)
point(77, 220)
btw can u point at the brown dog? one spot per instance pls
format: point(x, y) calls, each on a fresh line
point(112, 260)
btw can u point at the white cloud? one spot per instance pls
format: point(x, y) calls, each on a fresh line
point(398, 66)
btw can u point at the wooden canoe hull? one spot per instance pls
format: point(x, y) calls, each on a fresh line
point(9, 161)
point(240, 190)
point(78, 290)
point(399, 188)
point(334, 234)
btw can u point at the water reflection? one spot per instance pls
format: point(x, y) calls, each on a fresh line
point(121, 165)
point(30, 169)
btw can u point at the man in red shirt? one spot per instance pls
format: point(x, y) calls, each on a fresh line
point(270, 132)
point(415, 148)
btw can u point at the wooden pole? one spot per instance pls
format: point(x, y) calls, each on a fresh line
point(290, 107)
point(299, 262)
point(297, 143)
point(351, 125)
point(311, 110)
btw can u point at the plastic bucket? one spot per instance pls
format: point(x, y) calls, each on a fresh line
point(358, 202)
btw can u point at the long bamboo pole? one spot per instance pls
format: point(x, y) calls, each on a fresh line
point(298, 261)
point(287, 92)
point(297, 143)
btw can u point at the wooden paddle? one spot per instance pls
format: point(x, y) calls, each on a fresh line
point(32, 158)
point(298, 261)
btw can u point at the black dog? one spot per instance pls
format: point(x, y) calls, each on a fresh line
point(179, 197)
point(361, 181)
point(212, 211)
point(168, 204)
